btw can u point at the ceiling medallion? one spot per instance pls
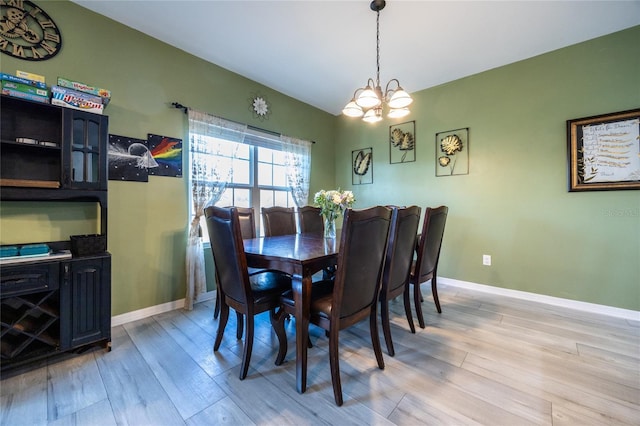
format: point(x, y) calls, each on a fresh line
point(27, 32)
point(259, 106)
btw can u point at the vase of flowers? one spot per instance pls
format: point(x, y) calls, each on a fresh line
point(332, 204)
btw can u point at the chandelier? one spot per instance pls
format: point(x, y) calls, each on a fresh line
point(368, 101)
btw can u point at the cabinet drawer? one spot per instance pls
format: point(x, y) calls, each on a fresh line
point(17, 280)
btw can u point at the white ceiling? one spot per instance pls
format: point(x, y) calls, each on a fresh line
point(319, 52)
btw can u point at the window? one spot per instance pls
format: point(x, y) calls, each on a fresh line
point(258, 176)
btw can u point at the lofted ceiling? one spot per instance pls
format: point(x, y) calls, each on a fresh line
point(319, 52)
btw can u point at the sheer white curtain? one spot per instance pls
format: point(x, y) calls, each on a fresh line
point(207, 134)
point(298, 164)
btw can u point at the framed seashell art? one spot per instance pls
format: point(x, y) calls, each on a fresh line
point(362, 166)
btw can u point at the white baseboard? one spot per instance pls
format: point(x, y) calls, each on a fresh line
point(549, 300)
point(155, 310)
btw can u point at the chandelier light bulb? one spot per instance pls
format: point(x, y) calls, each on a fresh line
point(398, 112)
point(368, 98)
point(373, 115)
point(353, 109)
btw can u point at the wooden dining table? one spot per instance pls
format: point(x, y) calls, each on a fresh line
point(300, 255)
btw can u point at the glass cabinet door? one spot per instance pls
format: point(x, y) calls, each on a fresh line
point(87, 166)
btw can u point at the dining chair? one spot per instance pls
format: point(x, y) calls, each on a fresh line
point(247, 294)
point(310, 220)
point(278, 221)
point(425, 266)
point(397, 266)
point(248, 230)
point(353, 295)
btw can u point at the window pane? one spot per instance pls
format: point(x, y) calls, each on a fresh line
point(242, 171)
point(265, 177)
point(279, 176)
point(265, 155)
point(278, 157)
point(244, 151)
point(226, 199)
point(242, 197)
point(281, 198)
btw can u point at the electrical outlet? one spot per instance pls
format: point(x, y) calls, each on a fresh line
point(486, 259)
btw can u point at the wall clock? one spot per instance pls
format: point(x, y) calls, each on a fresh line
point(27, 32)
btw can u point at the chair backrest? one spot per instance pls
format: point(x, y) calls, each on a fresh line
point(401, 247)
point(310, 220)
point(279, 221)
point(363, 244)
point(430, 241)
point(247, 222)
point(225, 236)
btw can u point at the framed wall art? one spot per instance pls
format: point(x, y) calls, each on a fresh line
point(402, 142)
point(167, 153)
point(452, 152)
point(604, 151)
point(129, 159)
point(362, 166)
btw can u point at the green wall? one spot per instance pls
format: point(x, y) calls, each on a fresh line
point(514, 203)
point(148, 221)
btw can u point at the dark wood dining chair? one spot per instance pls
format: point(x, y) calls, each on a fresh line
point(248, 230)
point(247, 294)
point(278, 221)
point(425, 266)
point(397, 267)
point(353, 295)
point(310, 220)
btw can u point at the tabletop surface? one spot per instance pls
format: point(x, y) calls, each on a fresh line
point(300, 247)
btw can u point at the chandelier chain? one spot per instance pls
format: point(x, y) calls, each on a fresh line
point(378, 48)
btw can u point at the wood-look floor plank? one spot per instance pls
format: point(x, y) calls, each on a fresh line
point(23, 399)
point(223, 412)
point(73, 384)
point(137, 398)
point(191, 389)
point(98, 414)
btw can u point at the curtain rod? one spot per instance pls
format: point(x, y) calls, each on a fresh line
point(178, 105)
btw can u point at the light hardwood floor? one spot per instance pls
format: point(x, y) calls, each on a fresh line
point(485, 360)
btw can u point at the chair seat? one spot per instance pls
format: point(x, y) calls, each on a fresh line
point(321, 297)
point(268, 284)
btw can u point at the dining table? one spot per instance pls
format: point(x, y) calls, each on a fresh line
point(301, 255)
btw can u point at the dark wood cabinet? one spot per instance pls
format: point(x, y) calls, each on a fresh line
point(60, 302)
point(85, 301)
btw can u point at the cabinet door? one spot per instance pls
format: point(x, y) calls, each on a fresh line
point(85, 311)
point(85, 150)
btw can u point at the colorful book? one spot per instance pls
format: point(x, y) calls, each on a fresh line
point(20, 87)
point(23, 95)
point(30, 76)
point(77, 100)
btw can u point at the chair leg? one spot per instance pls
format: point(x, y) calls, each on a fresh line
point(239, 321)
point(434, 291)
point(224, 316)
point(416, 301)
point(248, 346)
point(216, 309)
point(375, 338)
point(407, 308)
point(386, 327)
point(277, 322)
point(334, 362)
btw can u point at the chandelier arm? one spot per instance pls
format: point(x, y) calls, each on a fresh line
point(388, 91)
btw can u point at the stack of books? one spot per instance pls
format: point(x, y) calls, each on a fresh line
point(26, 86)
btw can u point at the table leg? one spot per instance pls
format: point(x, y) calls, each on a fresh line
point(302, 298)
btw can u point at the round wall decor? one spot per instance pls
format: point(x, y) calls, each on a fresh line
point(27, 32)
